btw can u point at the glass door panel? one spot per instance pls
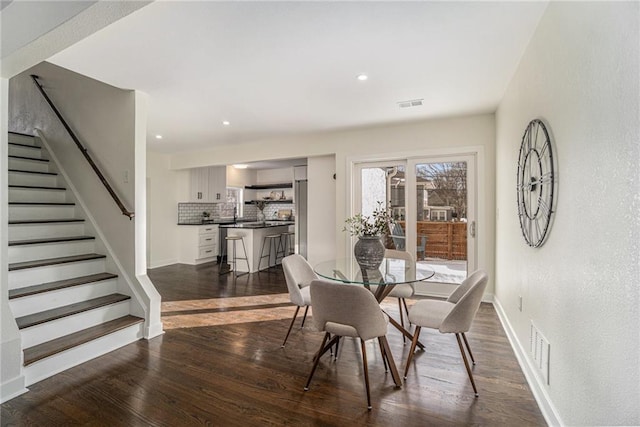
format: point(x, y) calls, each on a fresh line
point(384, 183)
point(442, 217)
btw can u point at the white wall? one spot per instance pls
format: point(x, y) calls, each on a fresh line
point(163, 210)
point(274, 176)
point(12, 380)
point(321, 190)
point(240, 177)
point(580, 74)
point(429, 137)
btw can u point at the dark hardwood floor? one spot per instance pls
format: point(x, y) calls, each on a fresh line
point(220, 364)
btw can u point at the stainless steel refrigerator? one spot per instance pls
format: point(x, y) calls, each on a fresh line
point(301, 216)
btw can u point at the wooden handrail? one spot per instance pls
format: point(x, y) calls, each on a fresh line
point(84, 151)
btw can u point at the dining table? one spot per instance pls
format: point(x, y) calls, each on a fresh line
point(380, 281)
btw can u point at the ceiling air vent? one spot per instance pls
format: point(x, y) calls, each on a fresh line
point(410, 103)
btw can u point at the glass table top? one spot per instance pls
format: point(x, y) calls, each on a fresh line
point(392, 271)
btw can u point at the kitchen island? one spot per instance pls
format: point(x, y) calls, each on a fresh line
point(253, 235)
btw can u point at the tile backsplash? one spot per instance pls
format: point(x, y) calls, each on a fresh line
point(192, 212)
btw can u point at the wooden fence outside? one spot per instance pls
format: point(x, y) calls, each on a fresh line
point(445, 240)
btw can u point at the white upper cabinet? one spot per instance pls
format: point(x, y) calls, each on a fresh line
point(208, 185)
point(218, 184)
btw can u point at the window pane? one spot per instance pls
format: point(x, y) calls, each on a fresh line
point(233, 200)
point(441, 218)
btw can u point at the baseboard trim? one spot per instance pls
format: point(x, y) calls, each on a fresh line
point(162, 263)
point(13, 388)
point(153, 331)
point(549, 412)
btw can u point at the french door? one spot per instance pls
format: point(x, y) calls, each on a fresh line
point(433, 201)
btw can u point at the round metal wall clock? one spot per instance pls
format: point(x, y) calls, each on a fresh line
point(535, 184)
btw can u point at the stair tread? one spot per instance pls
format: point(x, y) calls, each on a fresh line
point(53, 261)
point(32, 172)
point(59, 284)
point(22, 134)
point(37, 187)
point(49, 240)
point(35, 147)
point(28, 158)
point(58, 345)
point(43, 221)
point(68, 310)
point(42, 203)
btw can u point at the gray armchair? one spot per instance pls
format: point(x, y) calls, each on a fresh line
point(298, 274)
point(453, 316)
point(351, 311)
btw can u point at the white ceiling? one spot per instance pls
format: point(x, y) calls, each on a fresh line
point(282, 68)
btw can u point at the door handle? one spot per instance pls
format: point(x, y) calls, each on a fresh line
point(472, 229)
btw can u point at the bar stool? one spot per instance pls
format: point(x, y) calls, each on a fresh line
point(234, 257)
point(288, 246)
point(273, 244)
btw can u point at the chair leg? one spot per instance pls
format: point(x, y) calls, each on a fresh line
point(306, 309)
point(406, 309)
point(466, 364)
point(404, 339)
point(291, 326)
point(414, 342)
point(366, 372)
point(390, 362)
point(466, 343)
point(316, 361)
point(384, 357)
point(335, 357)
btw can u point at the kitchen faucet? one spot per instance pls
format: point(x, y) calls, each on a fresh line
point(235, 214)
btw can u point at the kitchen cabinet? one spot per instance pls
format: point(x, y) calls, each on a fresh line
point(208, 185)
point(198, 243)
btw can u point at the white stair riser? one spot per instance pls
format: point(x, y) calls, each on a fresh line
point(36, 195)
point(41, 212)
point(28, 165)
point(35, 231)
point(67, 325)
point(67, 359)
point(23, 253)
point(16, 150)
point(20, 178)
point(52, 273)
point(23, 139)
point(61, 297)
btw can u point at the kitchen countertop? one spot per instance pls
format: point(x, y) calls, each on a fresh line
point(239, 222)
point(256, 225)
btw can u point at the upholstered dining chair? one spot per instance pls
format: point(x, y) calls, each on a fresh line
point(349, 311)
point(451, 316)
point(404, 290)
point(298, 274)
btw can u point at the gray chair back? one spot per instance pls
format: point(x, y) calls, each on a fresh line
point(298, 274)
point(460, 317)
point(464, 287)
point(351, 305)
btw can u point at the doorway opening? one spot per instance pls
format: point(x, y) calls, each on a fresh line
point(432, 201)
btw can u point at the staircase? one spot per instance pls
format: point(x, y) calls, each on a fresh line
point(68, 308)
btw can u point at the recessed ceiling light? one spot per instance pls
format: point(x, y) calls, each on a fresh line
point(362, 77)
point(158, 136)
point(226, 122)
point(240, 166)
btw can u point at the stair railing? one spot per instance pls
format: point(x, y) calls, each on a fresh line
point(84, 151)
